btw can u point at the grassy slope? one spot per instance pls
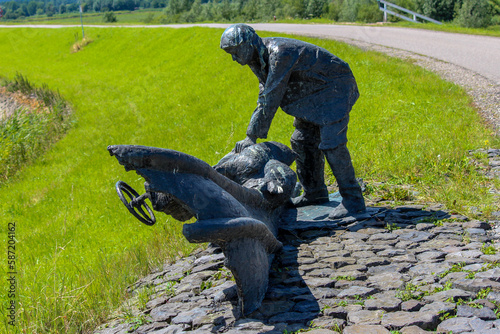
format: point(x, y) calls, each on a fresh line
point(78, 247)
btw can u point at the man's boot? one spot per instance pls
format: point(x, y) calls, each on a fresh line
point(353, 202)
point(310, 164)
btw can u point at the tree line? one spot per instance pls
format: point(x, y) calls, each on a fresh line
point(468, 13)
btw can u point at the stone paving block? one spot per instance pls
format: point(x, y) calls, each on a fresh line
point(434, 268)
point(390, 268)
point(387, 281)
point(322, 331)
point(365, 329)
point(492, 274)
point(175, 329)
point(336, 312)
point(413, 330)
point(484, 313)
point(416, 236)
point(481, 326)
point(476, 284)
point(292, 317)
point(375, 261)
point(354, 235)
point(271, 308)
point(355, 291)
point(147, 328)
point(353, 267)
point(411, 305)
point(167, 312)
point(424, 279)
point(455, 325)
point(328, 323)
point(400, 319)
point(454, 294)
point(188, 317)
point(338, 262)
point(320, 282)
point(430, 256)
point(388, 304)
point(439, 307)
point(365, 317)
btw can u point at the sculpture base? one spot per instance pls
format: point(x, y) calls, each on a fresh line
point(316, 216)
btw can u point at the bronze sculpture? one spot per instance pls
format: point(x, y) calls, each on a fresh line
point(238, 202)
point(316, 87)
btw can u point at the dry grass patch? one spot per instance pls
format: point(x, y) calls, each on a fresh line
point(79, 45)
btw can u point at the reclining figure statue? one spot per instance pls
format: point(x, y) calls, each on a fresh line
point(236, 203)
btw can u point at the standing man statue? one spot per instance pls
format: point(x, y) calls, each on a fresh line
point(316, 87)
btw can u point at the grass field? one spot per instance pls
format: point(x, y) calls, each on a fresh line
point(77, 246)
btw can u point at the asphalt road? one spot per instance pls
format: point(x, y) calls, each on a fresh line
point(480, 54)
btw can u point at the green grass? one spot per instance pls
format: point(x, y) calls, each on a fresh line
point(78, 247)
point(493, 30)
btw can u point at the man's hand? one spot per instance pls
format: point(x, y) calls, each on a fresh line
point(242, 144)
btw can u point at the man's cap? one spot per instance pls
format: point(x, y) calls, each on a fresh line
point(237, 34)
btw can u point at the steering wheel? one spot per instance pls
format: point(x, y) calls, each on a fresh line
point(136, 204)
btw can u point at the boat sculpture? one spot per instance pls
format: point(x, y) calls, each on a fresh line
point(236, 203)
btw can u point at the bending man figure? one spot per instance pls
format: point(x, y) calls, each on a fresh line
point(316, 87)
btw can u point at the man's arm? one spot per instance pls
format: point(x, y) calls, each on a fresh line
point(281, 64)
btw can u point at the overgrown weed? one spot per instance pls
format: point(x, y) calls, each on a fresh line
point(31, 130)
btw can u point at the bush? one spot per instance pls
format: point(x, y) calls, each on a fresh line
point(109, 17)
point(370, 13)
point(441, 10)
point(149, 18)
point(474, 14)
point(360, 10)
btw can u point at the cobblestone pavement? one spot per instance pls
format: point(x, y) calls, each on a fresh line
point(403, 268)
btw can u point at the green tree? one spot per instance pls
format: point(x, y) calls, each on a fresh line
point(495, 7)
point(294, 8)
point(208, 11)
point(32, 7)
point(195, 12)
point(333, 9)
point(315, 8)
point(474, 14)
point(369, 12)
point(441, 10)
point(249, 10)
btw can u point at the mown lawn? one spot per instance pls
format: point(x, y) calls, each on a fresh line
point(78, 247)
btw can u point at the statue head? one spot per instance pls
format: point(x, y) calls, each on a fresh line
point(243, 44)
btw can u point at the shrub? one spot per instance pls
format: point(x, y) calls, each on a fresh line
point(109, 17)
point(474, 14)
point(149, 18)
point(370, 13)
point(441, 10)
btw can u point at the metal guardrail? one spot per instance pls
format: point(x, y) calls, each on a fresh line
point(383, 7)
